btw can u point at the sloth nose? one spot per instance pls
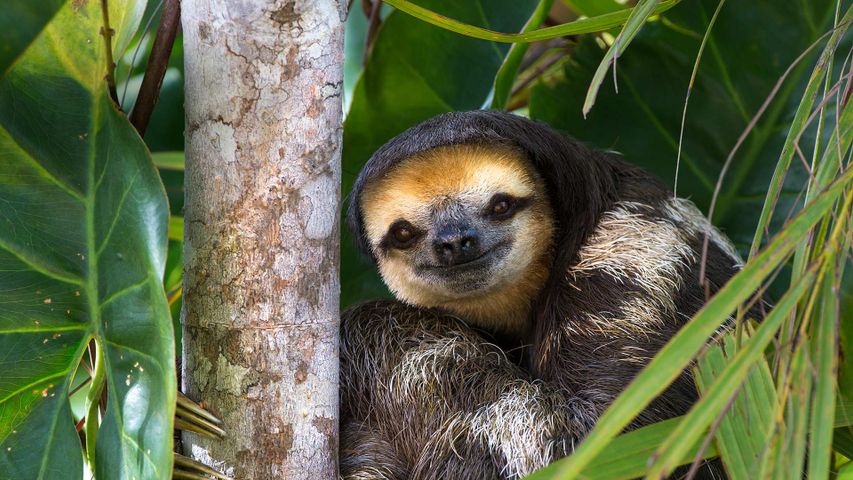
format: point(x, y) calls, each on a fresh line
point(453, 247)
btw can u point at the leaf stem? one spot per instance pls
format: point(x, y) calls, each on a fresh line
point(92, 401)
point(690, 89)
point(108, 32)
point(502, 87)
point(158, 61)
point(577, 27)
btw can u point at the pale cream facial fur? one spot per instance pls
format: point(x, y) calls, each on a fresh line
point(473, 174)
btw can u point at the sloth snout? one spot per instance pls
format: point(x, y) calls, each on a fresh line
point(456, 246)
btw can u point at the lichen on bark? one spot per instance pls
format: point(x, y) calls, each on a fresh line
point(261, 287)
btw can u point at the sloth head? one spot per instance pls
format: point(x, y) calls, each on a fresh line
point(474, 212)
point(464, 227)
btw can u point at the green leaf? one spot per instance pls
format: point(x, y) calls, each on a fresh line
point(826, 368)
point(744, 57)
point(577, 27)
point(20, 24)
point(798, 126)
point(743, 433)
point(509, 69)
point(417, 71)
point(176, 228)
point(169, 160)
point(842, 442)
point(726, 382)
point(639, 15)
point(82, 251)
point(845, 377)
point(789, 443)
point(845, 472)
point(627, 456)
point(355, 38)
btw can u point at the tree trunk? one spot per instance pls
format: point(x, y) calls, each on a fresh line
point(261, 287)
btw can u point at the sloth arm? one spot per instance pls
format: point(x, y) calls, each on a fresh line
point(425, 396)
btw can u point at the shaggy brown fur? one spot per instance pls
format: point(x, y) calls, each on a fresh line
point(426, 396)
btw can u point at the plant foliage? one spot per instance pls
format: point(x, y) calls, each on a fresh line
point(83, 218)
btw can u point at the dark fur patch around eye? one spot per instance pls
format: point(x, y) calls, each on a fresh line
point(503, 206)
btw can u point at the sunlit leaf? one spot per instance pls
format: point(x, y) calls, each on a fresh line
point(20, 24)
point(82, 251)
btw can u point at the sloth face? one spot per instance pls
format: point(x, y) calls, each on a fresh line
point(461, 227)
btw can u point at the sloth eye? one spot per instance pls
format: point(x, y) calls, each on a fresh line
point(402, 234)
point(501, 206)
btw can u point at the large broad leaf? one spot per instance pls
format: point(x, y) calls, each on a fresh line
point(83, 220)
point(417, 71)
point(744, 58)
point(20, 24)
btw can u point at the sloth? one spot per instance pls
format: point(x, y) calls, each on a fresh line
point(534, 277)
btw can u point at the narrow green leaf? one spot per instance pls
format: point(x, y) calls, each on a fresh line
point(797, 127)
point(627, 456)
point(729, 433)
point(744, 431)
point(505, 78)
point(585, 25)
point(681, 349)
point(839, 143)
point(176, 228)
point(169, 160)
point(727, 382)
point(639, 15)
point(826, 366)
point(772, 458)
point(792, 440)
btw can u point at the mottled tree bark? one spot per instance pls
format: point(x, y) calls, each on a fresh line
point(261, 288)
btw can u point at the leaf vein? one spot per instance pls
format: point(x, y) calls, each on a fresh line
point(46, 270)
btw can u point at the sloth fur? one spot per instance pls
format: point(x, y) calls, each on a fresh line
point(500, 359)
